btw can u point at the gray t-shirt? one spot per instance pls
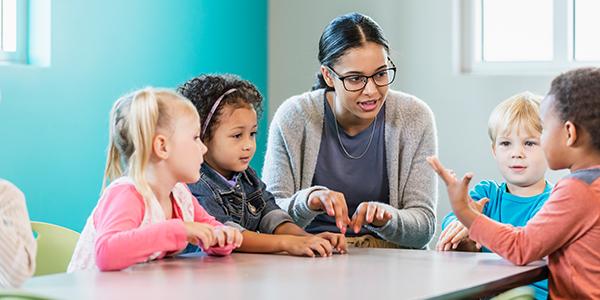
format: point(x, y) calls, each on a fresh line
point(360, 180)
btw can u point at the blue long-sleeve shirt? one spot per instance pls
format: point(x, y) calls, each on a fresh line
point(507, 208)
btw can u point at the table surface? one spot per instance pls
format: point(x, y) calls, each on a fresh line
point(372, 273)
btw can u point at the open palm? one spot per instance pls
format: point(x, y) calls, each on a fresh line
point(458, 191)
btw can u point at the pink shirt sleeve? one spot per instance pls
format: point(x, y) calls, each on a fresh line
point(201, 216)
point(563, 219)
point(120, 241)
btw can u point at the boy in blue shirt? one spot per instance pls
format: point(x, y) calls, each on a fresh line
point(515, 129)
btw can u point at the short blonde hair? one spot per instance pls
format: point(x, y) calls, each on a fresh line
point(134, 120)
point(521, 111)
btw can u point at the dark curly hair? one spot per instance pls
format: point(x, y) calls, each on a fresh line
point(204, 91)
point(577, 99)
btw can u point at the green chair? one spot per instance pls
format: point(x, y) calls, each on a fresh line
point(55, 246)
point(20, 295)
point(520, 293)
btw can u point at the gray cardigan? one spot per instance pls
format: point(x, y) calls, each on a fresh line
point(410, 136)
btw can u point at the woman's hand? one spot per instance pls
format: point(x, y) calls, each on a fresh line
point(373, 213)
point(333, 203)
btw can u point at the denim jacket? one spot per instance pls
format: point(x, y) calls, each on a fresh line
point(247, 205)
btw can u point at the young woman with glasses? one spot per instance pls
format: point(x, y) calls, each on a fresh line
point(349, 156)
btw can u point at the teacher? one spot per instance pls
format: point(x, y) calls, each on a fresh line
point(349, 156)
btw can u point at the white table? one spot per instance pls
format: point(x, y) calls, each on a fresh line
point(361, 274)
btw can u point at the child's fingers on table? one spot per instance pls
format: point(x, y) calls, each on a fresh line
point(194, 241)
point(239, 238)
point(442, 244)
point(337, 241)
point(443, 235)
point(321, 249)
point(341, 245)
point(460, 235)
point(220, 237)
point(448, 233)
point(447, 246)
point(205, 240)
point(230, 235)
point(308, 251)
point(455, 245)
point(328, 246)
point(332, 238)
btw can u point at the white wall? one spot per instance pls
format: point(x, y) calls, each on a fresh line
point(424, 40)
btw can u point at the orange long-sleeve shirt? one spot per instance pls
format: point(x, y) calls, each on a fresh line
point(566, 229)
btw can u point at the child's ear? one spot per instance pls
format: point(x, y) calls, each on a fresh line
point(327, 76)
point(160, 147)
point(571, 132)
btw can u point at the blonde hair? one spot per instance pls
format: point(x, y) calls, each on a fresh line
point(134, 120)
point(521, 111)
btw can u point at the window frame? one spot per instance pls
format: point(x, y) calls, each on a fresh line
point(20, 55)
point(471, 44)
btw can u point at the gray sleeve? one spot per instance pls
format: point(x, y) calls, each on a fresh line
point(278, 176)
point(272, 220)
point(17, 245)
point(413, 225)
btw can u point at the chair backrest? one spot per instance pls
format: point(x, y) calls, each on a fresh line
point(55, 246)
point(520, 293)
point(20, 295)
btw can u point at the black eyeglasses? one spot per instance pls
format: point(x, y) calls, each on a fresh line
point(354, 83)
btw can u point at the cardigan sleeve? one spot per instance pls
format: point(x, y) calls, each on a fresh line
point(278, 173)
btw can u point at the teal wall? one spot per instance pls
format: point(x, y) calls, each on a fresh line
point(54, 120)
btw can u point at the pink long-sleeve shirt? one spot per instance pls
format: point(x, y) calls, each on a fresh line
point(121, 242)
point(566, 229)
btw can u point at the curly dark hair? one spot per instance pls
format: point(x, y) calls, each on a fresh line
point(204, 91)
point(577, 99)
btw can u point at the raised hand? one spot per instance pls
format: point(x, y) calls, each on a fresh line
point(458, 192)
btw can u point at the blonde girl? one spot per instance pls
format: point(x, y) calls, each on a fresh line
point(147, 212)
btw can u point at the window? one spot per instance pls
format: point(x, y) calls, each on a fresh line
point(528, 36)
point(13, 29)
point(587, 22)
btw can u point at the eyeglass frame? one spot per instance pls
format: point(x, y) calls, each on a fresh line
point(341, 78)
